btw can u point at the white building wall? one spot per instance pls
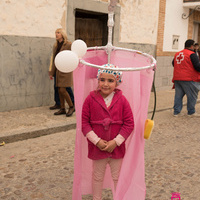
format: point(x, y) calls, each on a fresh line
point(175, 25)
point(139, 21)
point(32, 17)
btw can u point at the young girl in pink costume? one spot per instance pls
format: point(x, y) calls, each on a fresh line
point(107, 121)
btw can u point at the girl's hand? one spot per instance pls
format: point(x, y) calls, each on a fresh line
point(101, 144)
point(111, 145)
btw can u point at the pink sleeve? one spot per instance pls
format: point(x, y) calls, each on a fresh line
point(119, 139)
point(92, 137)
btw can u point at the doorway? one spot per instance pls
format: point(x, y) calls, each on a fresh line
point(91, 27)
point(196, 32)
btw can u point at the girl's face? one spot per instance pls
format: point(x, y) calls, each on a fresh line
point(59, 36)
point(107, 84)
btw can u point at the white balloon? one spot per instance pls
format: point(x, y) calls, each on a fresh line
point(66, 61)
point(79, 47)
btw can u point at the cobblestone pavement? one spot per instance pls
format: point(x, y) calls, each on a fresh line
point(42, 168)
point(172, 158)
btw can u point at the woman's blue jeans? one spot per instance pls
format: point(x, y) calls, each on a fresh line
point(183, 88)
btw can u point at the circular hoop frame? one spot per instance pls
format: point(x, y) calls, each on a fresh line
point(151, 66)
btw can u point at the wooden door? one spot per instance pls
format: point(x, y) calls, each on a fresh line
point(92, 29)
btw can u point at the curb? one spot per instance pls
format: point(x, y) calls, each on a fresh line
point(36, 133)
point(48, 131)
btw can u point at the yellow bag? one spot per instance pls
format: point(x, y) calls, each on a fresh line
point(148, 128)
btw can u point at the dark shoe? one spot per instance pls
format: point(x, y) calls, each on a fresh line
point(54, 107)
point(70, 111)
point(60, 112)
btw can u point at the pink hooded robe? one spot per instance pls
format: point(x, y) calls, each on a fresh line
point(136, 87)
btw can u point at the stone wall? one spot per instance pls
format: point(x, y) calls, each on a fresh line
point(27, 35)
point(24, 80)
point(164, 73)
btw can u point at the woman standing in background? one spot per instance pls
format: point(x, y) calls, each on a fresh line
point(62, 80)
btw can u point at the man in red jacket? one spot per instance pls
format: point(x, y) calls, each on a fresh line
point(186, 78)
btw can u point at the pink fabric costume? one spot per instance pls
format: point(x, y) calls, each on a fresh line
point(136, 88)
point(107, 123)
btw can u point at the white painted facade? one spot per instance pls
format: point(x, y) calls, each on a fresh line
point(138, 19)
point(32, 18)
point(175, 25)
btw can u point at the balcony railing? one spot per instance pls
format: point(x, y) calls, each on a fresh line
point(192, 5)
point(184, 1)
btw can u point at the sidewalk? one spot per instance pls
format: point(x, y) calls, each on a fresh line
point(28, 123)
point(34, 122)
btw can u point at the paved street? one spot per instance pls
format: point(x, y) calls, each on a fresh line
point(42, 168)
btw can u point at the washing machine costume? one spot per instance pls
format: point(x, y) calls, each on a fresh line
point(138, 73)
